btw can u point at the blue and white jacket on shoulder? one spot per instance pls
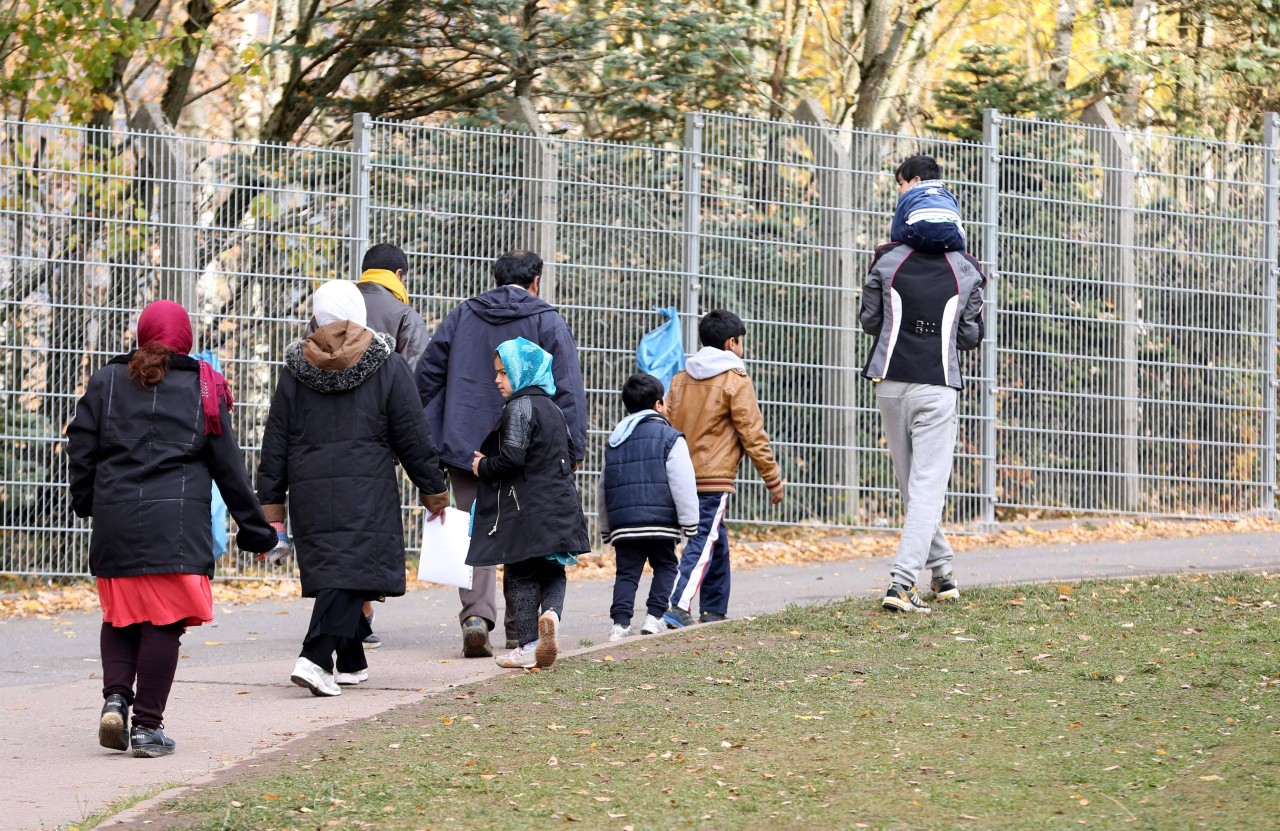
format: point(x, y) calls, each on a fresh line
point(923, 309)
point(928, 219)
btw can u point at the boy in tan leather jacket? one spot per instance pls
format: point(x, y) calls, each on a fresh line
point(714, 404)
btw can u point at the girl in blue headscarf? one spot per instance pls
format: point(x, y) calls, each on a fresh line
point(528, 517)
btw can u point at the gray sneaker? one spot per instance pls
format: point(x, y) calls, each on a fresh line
point(944, 589)
point(900, 598)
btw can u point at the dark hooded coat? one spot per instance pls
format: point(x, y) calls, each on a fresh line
point(455, 375)
point(343, 413)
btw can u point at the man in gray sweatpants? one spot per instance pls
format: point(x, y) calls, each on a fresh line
point(922, 309)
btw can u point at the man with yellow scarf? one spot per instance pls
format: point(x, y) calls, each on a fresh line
point(386, 301)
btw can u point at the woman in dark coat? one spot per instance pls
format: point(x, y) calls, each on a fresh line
point(343, 413)
point(527, 513)
point(150, 435)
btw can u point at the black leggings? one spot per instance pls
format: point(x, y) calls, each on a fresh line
point(527, 578)
point(144, 654)
point(338, 625)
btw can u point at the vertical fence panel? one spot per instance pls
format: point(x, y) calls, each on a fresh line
point(1271, 238)
point(1135, 374)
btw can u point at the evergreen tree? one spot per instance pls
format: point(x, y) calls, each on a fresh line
point(985, 78)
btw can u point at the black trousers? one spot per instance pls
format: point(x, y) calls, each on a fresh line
point(536, 583)
point(631, 555)
point(338, 625)
point(146, 655)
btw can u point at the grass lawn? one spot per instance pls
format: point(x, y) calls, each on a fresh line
point(1150, 704)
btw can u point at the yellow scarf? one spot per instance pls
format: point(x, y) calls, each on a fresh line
point(388, 280)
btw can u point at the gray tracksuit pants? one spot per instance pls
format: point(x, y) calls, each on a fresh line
point(920, 423)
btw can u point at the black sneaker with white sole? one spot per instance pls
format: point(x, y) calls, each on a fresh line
point(113, 724)
point(944, 589)
point(900, 598)
point(150, 743)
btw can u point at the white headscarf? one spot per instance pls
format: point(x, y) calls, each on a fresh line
point(338, 300)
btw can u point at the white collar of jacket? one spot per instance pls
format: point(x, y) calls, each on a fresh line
point(709, 362)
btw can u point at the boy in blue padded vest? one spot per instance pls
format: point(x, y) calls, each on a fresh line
point(648, 501)
point(928, 216)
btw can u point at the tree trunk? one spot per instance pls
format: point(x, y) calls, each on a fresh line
point(1063, 32)
point(879, 62)
point(1135, 83)
point(200, 15)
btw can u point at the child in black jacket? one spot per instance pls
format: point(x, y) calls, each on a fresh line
point(527, 513)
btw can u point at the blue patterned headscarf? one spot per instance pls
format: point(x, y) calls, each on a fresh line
point(528, 365)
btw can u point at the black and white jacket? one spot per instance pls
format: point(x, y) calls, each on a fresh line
point(923, 309)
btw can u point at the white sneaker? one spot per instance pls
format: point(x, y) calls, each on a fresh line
point(618, 632)
point(308, 674)
point(653, 625)
point(350, 679)
point(522, 657)
point(548, 646)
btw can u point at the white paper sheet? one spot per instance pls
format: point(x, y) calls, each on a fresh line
point(443, 558)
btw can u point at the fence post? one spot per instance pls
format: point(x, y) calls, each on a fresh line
point(1118, 198)
point(361, 169)
point(834, 172)
point(990, 343)
point(175, 205)
point(1271, 214)
point(541, 188)
point(693, 125)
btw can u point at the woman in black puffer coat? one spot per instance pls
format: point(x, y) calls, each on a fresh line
point(150, 436)
point(343, 413)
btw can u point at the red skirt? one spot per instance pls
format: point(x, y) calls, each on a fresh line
point(159, 599)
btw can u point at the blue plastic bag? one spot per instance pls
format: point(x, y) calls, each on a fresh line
point(661, 351)
point(218, 510)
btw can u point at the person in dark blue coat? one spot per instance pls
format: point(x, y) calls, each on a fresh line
point(455, 386)
point(527, 513)
point(343, 414)
point(648, 501)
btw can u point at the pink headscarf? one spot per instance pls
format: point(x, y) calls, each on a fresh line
point(167, 324)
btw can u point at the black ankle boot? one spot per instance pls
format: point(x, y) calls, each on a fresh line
point(148, 743)
point(113, 724)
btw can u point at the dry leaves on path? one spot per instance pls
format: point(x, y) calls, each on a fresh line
point(795, 545)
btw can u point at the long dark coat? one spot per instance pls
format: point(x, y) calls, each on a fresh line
point(331, 444)
point(526, 504)
point(142, 467)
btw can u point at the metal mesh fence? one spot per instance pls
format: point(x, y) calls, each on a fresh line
point(1130, 365)
point(1136, 312)
point(94, 224)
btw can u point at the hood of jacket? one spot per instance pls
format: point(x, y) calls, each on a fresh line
point(338, 357)
point(507, 303)
point(625, 427)
point(708, 362)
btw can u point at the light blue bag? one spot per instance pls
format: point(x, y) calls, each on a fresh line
point(661, 351)
point(219, 508)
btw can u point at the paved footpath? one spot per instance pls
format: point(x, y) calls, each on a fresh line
point(233, 699)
